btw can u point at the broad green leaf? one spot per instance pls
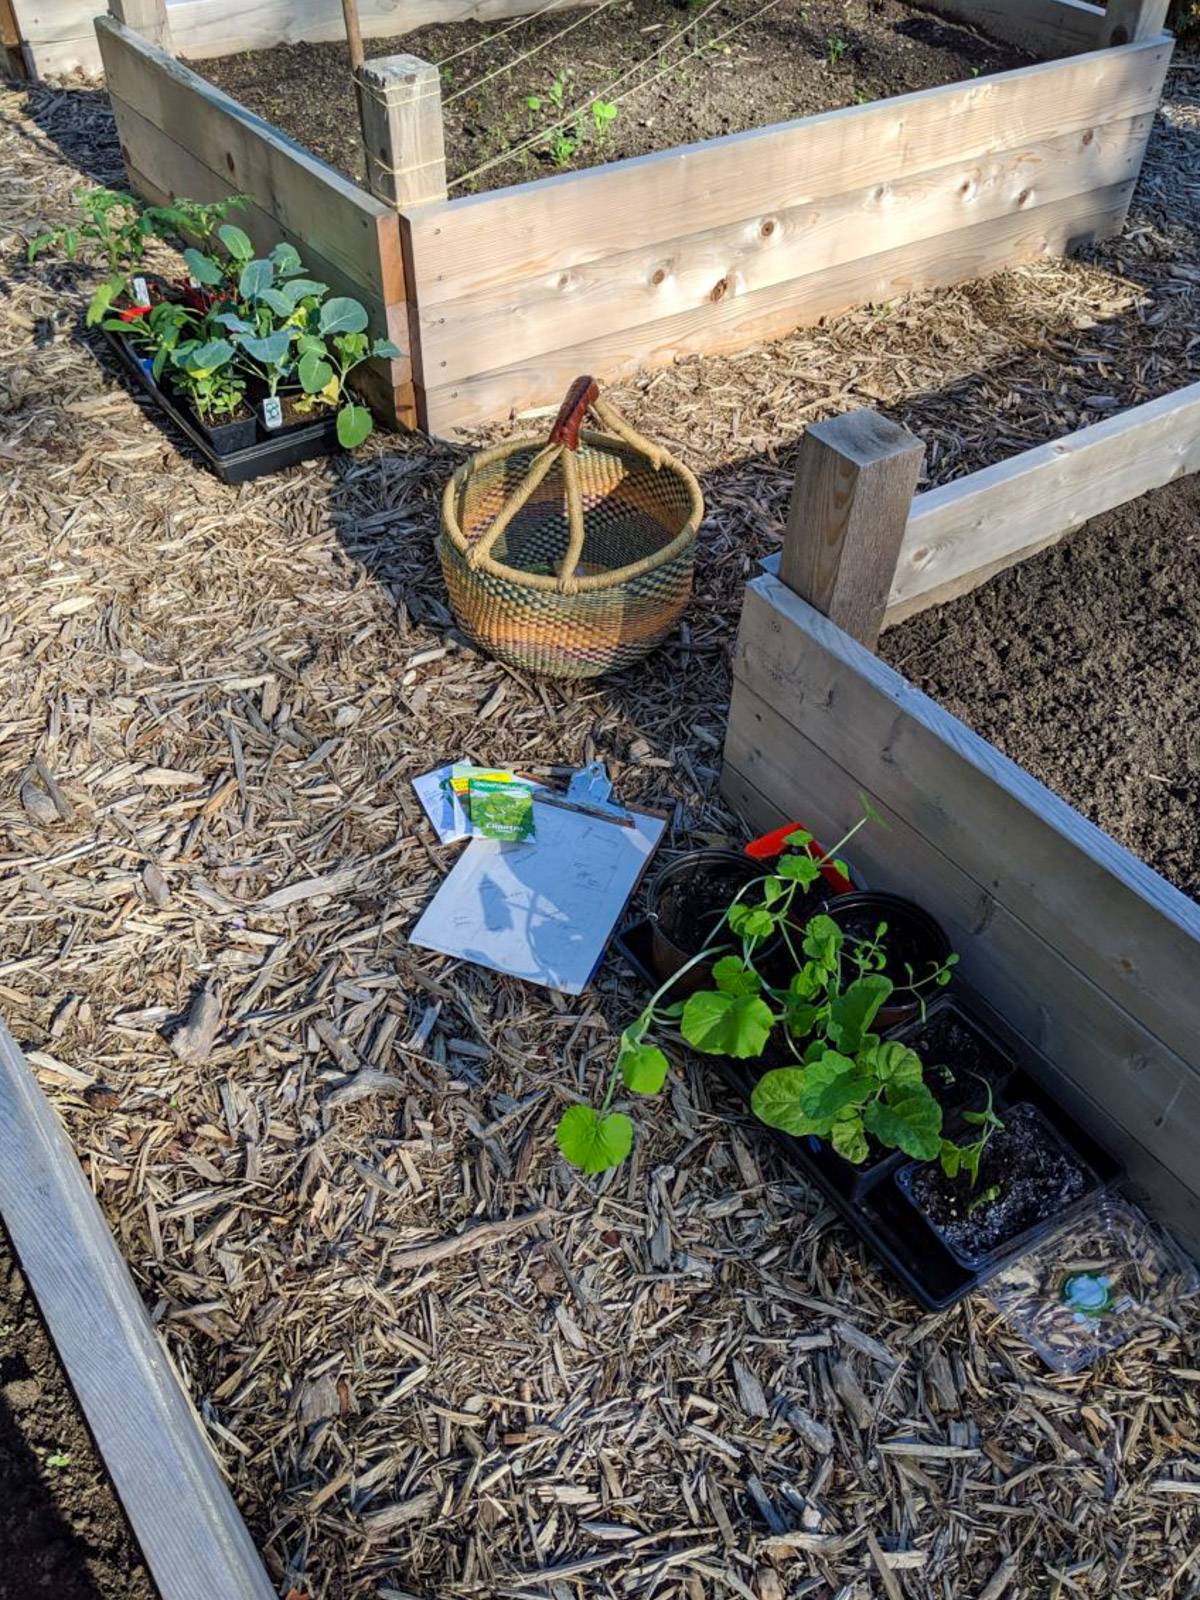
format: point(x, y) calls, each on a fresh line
point(236, 242)
point(801, 869)
point(591, 1142)
point(234, 323)
point(643, 1067)
point(950, 1157)
point(830, 1085)
point(203, 268)
point(286, 260)
point(808, 982)
point(896, 1065)
point(271, 350)
point(733, 976)
point(354, 424)
point(912, 1122)
point(254, 277)
point(314, 371)
point(385, 347)
point(776, 1100)
point(342, 315)
point(849, 1140)
point(275, 300)
point(302, 289)
point(727, 1025)
point(102, 299)
point(852, 1012)
point(802, 1017)
point(822, 940)
point(751, 922)
point(798, 839)
point(208, 357)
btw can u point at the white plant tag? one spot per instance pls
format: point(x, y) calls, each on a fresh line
point(272, 412)
point(141, 295)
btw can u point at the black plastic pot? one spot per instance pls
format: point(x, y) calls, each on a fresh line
point(264, 453)
point(905, 920)
point(226, 438)
point(869, 1198)
point(667, 951)
point(1018, 1242)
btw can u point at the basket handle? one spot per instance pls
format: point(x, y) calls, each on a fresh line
point(583, 393)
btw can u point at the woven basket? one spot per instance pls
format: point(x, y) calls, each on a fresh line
point(575, 557)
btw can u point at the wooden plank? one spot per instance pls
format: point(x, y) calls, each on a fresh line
point(545, 310)
point(160, 170)
point(209, 28)
point(961, 533)
point(1137, 1098)
point(473, 245)
point(1122, 925)
point(152, 1441)
point(1128, 21)
point(400, 103)
point(850, 502)
point(339, 220)
point(1042, 27)
point(737, 320)
point(147, 17)
point(45, 22)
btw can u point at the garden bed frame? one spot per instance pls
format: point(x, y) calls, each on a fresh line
point(708, 247)
point(1089, 954)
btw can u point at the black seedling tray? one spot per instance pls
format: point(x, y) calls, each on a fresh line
point(273, 451)
point(870, 1200)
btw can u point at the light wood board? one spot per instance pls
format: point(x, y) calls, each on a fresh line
point(739, 319)
point(963, 532)
point(1124, 927)
point(153, 1444)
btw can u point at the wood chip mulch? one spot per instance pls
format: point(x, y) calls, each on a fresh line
point(684, 1381)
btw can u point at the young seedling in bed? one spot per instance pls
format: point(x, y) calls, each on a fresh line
point(604, 113)
point(835, 49)
point(110, 225)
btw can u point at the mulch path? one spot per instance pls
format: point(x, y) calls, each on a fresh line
point(685, 1380)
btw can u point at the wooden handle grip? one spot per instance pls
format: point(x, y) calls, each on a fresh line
point(574, 408)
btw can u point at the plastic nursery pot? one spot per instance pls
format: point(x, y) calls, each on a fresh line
point(685, 904)
point(963, 1060)
point(226, 437)
point(1040, 1179)
point(913, 939)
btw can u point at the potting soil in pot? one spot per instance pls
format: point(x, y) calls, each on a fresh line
point(690, 907)
point(961, 1063)
point(1035, 1174)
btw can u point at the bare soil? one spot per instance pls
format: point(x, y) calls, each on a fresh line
point(1034, 1172)
point(677, 73)
point(62, 1530)
point(1082, 664)
point(961, 1063)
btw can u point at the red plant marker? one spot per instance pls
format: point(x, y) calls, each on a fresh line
point(772, 844)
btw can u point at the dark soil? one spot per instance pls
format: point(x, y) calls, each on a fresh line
point(792, 61)
point(62, 1531)
point(1081, 664)
point(1036, 1175)
point(691, 905)
point(910, 953)
point(961, 1063)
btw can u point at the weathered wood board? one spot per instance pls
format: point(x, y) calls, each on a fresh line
point(711, 246)
point(1084, 948)
point(151, 1439)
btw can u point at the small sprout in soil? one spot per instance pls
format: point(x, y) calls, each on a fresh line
point(603, 114)
point(956, 1159)
point(60, 1458)
point(835, 49)
point(984, 1197)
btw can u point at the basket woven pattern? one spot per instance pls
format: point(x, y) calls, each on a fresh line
point(568, 596)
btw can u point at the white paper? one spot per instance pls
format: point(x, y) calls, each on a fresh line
point(545, 910)
point(442, 806)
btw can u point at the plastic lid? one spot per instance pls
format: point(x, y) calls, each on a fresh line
point(1105, 1280)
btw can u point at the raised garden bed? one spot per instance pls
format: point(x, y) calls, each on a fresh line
point(710, 246)
point(1083, 948)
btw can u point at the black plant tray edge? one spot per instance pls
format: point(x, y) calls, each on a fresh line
point(297, 443)
point(876, 1210)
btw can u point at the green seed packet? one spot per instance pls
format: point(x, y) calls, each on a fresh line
point(501, 810)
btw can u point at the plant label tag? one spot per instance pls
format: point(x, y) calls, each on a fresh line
point(272, 412)
point(141, 295)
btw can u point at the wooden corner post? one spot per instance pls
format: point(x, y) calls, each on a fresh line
point(854, 486)
point(1132, 21)
point(147, 17)
point(400, 104)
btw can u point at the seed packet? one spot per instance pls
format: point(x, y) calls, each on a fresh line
point(501, 809)
point(462, 773)
point(1107, 1278)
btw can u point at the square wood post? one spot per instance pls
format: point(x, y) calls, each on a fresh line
point(1131, 21)
point(147, 17)
point(400, 104)
point(854, 486)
